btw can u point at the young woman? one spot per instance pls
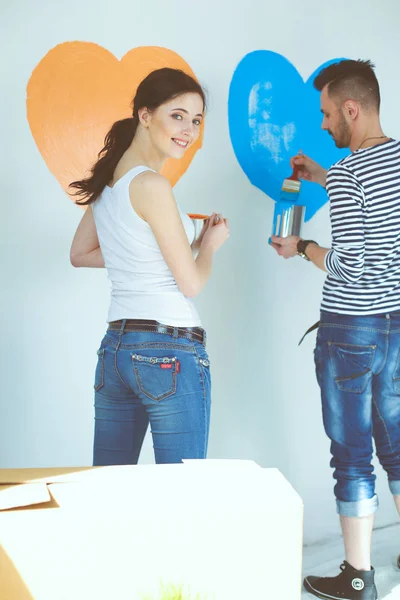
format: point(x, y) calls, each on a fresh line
point(152, 363)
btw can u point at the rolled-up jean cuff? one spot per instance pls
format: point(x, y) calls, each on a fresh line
point(394, 487)
point(360, 508)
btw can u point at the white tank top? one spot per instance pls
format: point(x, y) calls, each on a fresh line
point(142, 285)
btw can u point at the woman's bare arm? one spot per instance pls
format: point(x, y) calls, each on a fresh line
point(153, 200)
point(85, 249)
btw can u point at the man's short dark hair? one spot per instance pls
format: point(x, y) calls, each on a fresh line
point(351, 80)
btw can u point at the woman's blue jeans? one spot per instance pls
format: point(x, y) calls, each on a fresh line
point(154, 378)
point(357, 362)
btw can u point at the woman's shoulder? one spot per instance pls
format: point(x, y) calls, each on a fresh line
point(149, 180)
point(151, 195)
point(150, 188)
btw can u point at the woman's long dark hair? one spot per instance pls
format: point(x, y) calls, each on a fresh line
point(157, 88)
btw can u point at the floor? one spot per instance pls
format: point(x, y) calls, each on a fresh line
point(325, 558)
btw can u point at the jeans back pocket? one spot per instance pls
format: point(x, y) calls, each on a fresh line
point(156, 376)
point(351, 364)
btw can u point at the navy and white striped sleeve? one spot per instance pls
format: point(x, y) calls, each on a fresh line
point(346, 259)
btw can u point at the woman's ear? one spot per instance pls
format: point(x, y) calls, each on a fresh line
point(144, 116)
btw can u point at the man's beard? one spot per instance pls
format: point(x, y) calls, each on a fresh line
point(343, 134)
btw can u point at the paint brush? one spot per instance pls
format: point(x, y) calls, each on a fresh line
point(288, 215)
point(291, 187)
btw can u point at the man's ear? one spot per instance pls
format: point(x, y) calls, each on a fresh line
point(351, 109)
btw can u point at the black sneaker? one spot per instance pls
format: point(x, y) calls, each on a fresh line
point(398, 561)
point(350, 584)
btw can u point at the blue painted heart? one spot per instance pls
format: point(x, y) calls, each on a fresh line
point(274, 113)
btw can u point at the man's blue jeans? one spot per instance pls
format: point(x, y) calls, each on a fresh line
point(357, 361)
point(156, 378)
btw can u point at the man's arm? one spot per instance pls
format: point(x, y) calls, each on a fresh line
point(345, 260)
point(317, 255)
point(287, 248)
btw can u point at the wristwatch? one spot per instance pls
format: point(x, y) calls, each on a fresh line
point(301, 247)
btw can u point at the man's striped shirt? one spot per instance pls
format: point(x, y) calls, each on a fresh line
point(364, 263)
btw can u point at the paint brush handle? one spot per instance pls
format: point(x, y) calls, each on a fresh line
point(295, 174)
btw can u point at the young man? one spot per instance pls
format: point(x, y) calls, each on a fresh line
point(357, 353)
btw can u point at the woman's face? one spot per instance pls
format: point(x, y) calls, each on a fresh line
point(175, 125)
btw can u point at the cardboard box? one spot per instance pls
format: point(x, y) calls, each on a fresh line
point(217, 530)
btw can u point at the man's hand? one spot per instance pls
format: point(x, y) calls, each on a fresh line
point(309, 169)
point(285, 246)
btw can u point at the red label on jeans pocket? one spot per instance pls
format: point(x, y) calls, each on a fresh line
point(166, 366)
point(178, 366)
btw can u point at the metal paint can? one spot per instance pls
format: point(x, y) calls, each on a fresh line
point(289, 220)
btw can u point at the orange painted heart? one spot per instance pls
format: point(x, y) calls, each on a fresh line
point(77, 91)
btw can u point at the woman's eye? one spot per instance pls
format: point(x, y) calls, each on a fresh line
point(177, 116)
point(197, 122)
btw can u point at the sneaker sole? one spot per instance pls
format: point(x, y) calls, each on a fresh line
point(315, 592)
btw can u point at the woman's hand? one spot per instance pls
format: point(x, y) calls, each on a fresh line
point(215, 234)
